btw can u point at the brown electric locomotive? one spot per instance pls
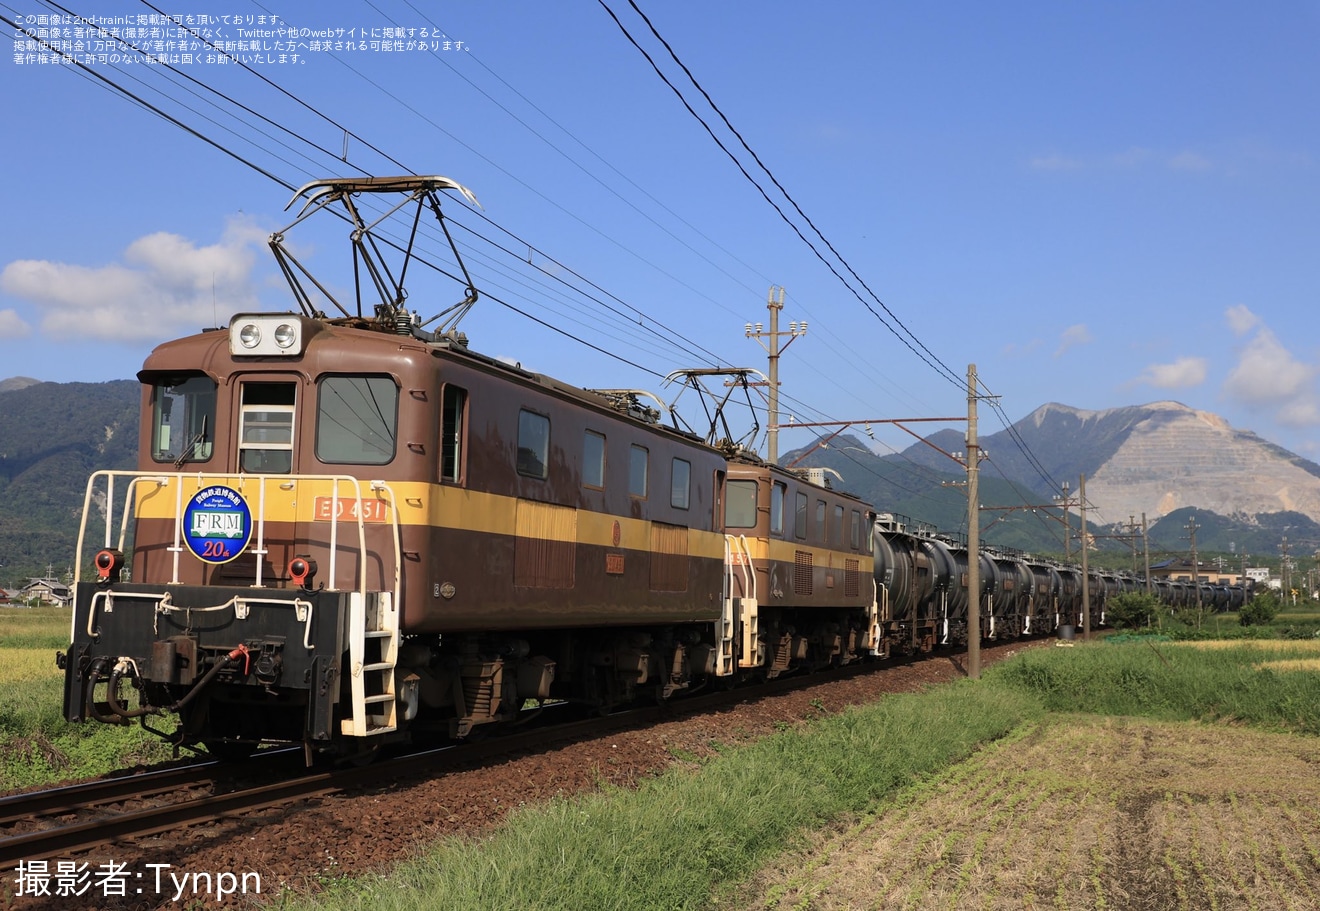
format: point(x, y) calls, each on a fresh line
point(347, 530)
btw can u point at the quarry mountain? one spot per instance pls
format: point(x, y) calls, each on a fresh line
point(1164, 459)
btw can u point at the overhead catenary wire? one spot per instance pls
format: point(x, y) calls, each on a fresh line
point(479, 236)
point(668, 335)
point(906, 337)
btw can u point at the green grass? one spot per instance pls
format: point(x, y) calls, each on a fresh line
point(1294, 621)
point(673, 842)
point(37, 746)
point(1171, 681)
point(689, 838)
point(35, 627)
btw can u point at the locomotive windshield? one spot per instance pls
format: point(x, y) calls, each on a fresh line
point(183, 418)
point(356, 420)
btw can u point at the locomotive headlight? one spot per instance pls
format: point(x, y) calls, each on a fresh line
point(268, 334)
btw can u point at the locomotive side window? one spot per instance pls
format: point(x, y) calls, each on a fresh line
point(356, 419)
point(778, 490)
point(265, 428)
point(822, 531)
point(800, 517)
point(639, 459)
point(838, 525)
point(856, 529)
point(533, 444)
point(740, 504)
point(183, 419)
point(680, 487)
point(593, 460)
point(453, 409)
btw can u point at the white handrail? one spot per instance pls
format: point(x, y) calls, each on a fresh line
point(165, 479)
point(748, 570)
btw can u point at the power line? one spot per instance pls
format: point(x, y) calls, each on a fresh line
point(924, 354)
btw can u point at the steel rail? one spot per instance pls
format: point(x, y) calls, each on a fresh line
point(108, 829)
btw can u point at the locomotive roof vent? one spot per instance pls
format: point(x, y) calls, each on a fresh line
point(266, 335)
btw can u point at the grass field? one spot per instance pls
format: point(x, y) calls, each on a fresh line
point(1142, 775)
point(1080, 812)
point(37, 746)
point(1136, 776)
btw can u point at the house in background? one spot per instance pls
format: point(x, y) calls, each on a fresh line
point(46, 591)
point(1180, 569)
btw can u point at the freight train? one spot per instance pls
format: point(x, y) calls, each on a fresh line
point(345, 531)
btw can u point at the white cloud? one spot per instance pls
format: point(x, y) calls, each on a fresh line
point(1268, 378)
point(1073, 335)
point(164, 284)
point(1183, 373)
point(1302, 412)
point(1189, 161)
point(12, 325)
point(1267, 373)
point(1240, 319)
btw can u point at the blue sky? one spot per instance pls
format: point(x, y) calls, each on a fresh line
point(1098, 204)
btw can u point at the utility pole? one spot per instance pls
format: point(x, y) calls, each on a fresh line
point(1196, 568)
point(1086, 575)
point(1145, 547)
point(973, 533)
point(1285, 576)
point(1067, 531)
point(773, 349)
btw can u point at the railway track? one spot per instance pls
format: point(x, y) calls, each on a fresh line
point(84, 817)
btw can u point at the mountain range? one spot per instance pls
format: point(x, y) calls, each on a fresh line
point(1174, 464)
point(52, 437)
point(1166, 461)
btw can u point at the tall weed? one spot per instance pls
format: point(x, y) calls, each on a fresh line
point(1172, 682)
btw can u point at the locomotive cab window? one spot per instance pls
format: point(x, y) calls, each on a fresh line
point(593, 460)
point(182, 419)
point(265, 428)
point(356, 419)
point(639, 459)
point(680, 484)
point(778, 490)
point(453, 417)
point(533, 444)
point(740, 504)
